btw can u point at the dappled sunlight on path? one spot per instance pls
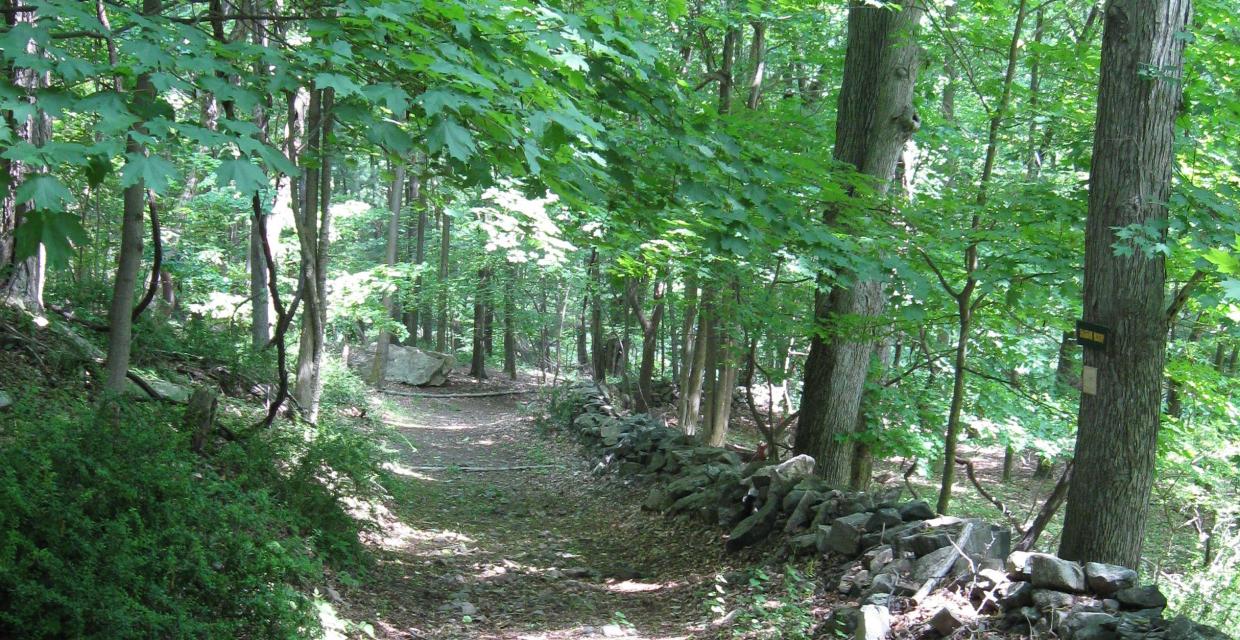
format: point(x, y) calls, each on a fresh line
point(512, 552)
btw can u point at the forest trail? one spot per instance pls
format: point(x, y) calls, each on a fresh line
point(546, 553)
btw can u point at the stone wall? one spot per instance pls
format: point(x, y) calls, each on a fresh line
point(909, 571)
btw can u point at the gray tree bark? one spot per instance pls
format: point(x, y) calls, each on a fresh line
point(1130, 181)
point(876, 117)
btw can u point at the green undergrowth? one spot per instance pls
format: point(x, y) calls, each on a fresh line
point(113, 528)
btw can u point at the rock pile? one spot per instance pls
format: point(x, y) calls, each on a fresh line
point(905, 566)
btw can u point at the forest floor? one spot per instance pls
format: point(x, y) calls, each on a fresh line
point(545, 553)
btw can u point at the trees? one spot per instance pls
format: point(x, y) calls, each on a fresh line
point(876, 116)
point(1130, 184)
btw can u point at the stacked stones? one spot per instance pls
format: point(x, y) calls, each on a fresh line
point(1093, 601)
point(895, 559)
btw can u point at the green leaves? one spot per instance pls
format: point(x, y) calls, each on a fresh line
point(247, 178)
point(57, 232)
point(447, 133)
point(151, 170)
point(44, 192)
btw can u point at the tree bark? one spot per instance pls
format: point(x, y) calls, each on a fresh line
point(875, 118)
point(510, 327)
point(397, 189)
point(120, 313)
point(24, 278)
point(650, 334)
point(315, 239)
point(1130, 180)
point(445, 246)
point(478, 357)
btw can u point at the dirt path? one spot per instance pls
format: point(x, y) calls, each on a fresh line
point(539, 554)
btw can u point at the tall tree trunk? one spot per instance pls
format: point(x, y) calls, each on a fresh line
point(120, 313)
point(875, 119)
point(445, 246)
point(1130, 181)
point(418, 316)
point(757, 59)
point(598, 346)
point(966, 305)
point(478, 357)
point(316, 247)
point(397, 189)
point(510, 326)
point(260, 312)
point(650, 334)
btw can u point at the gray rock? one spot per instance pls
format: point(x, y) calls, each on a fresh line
point(883, 519)
point(1094, 632)
point(5, 400)
point(790, 471)
point(879, 557)
point(1105, 579)
point(926, 543)
point(417, 367)
point(1148, 597)
point(927, 564)
point(945, 621)
point(916, 510)
point(803, 544)
point(822, 538)
point(657, 500)
point(1048, 599)
point(1074, 621)
point(1014, 595)
point(1017, 565)
point(1182, 628)
point(1055, 573)
point(846, 534)
point(874, 623)
point(801, 515)
point(755, 528)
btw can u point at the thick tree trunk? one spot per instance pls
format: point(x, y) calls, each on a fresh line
point(875, 118)
point(1130, 181)
point(397, 189)
point(21, 279)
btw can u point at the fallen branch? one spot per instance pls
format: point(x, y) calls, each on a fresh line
point(142, 384)
point(1052, 504)
point(520, 467)
point(481, 394)
point(968, 470)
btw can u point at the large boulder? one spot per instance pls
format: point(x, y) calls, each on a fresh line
point(418, 367)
